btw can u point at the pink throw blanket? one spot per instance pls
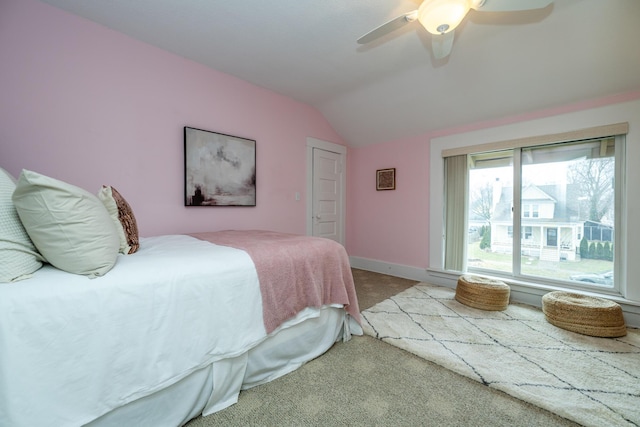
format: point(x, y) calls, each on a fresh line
point(294, 271)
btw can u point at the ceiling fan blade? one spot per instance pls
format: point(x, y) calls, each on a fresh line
point(442, 44)
point(508, 5)
point(388, 27)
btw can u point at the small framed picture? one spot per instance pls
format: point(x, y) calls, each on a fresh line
point(386, 179)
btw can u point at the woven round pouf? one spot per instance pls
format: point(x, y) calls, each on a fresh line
point(483, 293)
point(597, 317)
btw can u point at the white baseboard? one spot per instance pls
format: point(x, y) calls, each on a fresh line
point(519, 293)
point(397, 270)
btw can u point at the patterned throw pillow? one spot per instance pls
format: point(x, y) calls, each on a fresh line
point(19, 258)
point(122, 216)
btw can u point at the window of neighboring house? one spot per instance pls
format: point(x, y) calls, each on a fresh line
point(573, 183)
point(526, 232)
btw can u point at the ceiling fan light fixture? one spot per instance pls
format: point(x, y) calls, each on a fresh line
point(442, 16)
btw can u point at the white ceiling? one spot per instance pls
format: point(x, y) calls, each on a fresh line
point(502, 64)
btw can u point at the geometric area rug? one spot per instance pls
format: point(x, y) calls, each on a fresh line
point(592, 381)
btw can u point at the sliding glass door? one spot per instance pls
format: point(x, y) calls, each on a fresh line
point(546, 212)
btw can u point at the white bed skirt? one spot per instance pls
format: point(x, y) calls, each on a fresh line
point(217, 386)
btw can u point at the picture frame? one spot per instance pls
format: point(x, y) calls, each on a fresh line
point(219, 169)
point(386, 179)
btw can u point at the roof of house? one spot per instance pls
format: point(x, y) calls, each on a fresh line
point(565, 199)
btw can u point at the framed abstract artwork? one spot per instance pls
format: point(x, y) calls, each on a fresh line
point(219, 169)
point(386, 179)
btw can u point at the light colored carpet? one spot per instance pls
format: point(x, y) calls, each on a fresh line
point(373, 288)
point(367, 383)
point(593, 381)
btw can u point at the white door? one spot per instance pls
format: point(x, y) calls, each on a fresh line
point(327, 180)
point(327, 186)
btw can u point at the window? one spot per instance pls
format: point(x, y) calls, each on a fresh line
point(552, 237)
point(560, 198)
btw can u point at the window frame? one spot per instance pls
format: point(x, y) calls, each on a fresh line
point(471, 142)
point(516, 230)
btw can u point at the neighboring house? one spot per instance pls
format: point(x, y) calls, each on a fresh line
point(551, 223)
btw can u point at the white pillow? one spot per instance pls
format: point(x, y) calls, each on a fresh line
point(18, 256)
point(70, 227)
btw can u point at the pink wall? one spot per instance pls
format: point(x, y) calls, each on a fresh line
point(390, 226)
point(90, 106)
point(393, 226)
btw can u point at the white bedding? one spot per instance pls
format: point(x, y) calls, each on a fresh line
point(217, 386)
point(69, 344)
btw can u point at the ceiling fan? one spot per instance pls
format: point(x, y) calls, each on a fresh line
point(441, 17)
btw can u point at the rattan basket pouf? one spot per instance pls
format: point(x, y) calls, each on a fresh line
point(483, 293)
point(597, 317)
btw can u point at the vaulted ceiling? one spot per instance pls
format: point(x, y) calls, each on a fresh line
point(502, 64)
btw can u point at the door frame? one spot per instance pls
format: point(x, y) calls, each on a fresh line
point(342, 151)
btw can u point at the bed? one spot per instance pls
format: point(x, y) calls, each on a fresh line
point(172, 331)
